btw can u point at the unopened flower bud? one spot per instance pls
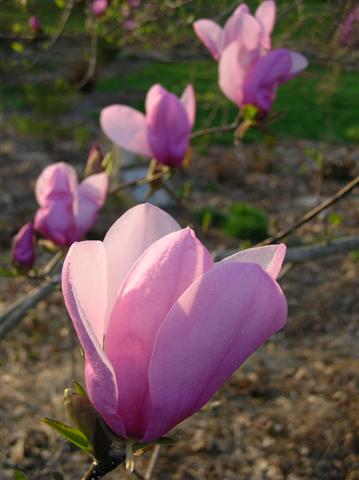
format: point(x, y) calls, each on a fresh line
point(85, 418)
point(94, 160)
point(34, 23)
point(99, 7)
point(23, 250)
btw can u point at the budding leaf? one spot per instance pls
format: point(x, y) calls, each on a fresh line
point(71, 434)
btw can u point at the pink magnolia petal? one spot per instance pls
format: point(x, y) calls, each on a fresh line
point(56, 181)
point(91, 197)
point(128, 238)
point(264, 77)
point(270, 258)
point(299, 63)
point(232, 72)
point(266, 13)
point(212, 329)
point(189, 102)
point(242, 28)
point(153, 94)
point(168, 128)
point(242, 8)
point(126, 127)
point(210, 35)
point(56, 221)
point(24, 246)
point(162, 273)
point(84, 290)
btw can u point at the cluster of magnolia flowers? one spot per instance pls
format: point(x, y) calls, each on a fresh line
point(161, 325)
point(249, 74)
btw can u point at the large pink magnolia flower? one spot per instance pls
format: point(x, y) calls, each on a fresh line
point(162, 326)
point(163, 133)
point(241, 26)
point(248, 78)
point(67, 209)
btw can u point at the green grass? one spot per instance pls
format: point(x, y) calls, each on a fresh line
point(318, 105)
point(321, 104)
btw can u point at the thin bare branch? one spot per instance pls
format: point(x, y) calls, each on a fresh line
point(210, 130)
point(310, 252)
point(313, 252)
point(17, 310)
point(152, 463)
point(137, 182)
point(64, 21)
point(313, 213)
point(91, 68)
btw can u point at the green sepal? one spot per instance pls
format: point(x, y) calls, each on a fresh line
point(79, 389)
point(250, 112)
point(84, 416)
point(71, 434)
point(108, 163)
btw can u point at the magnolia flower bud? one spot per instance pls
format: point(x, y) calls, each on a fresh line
point(94, 160)
point(23, 250)
point(34, 23)
point(99, 7)
point(86, 419)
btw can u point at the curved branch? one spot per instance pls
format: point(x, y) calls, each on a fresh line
point(313, 213)
point(91, 68)
point(64, 21)
point(17, 310)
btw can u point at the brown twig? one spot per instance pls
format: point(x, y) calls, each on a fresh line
point(17, 310)
point(64, 21)
point(137, 182)
point(152, 463)
point(210, 130)
point(313, 213)
point(91, 68)
point(310, 252)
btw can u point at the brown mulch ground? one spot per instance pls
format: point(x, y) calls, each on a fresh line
point(291, 412)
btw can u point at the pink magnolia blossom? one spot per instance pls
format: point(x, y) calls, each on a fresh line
point(23, 248)
point(163, 133)
point(34, 23)
point(241, 26)
point(247, 78)
point(99, 7)
point(67, 209)
point(162, 326)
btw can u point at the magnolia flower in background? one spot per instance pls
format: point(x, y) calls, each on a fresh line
point(67, 210)
point(247, 78)
point(23, 247)
point(34, 24)
point(163, 133)
point(349, 28)
point(99, 7)
point(241, 26)
point(161, 325)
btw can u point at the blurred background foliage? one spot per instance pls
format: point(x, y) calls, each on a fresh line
point(43, 75)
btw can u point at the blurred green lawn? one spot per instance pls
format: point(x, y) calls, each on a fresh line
point(321, 104)
point(318, 105)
